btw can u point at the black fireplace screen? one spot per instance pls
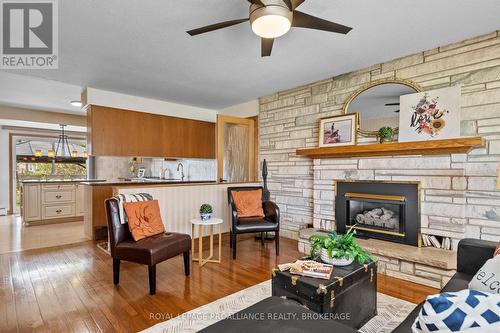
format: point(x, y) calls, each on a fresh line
point(378, 209)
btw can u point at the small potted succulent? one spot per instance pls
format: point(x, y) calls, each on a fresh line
point(385, 134)
point(338, 250)
point(206, 212)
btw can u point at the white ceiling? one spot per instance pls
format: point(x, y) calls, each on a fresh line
point(141, 48)
point(35, 93)
point(38, 125)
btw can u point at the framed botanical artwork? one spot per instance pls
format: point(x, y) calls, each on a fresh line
point(338, 130)
point(430, 115)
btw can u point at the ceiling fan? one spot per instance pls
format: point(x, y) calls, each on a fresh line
point(270, 19)
point(393, 104)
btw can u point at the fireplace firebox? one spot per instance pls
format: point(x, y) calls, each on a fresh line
point(384, 210)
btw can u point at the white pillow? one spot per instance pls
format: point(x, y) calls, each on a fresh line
point(488, 277)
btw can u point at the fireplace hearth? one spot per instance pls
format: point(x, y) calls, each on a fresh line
point(379, 209)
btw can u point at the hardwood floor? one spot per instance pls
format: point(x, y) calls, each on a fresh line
point(14, 236)
point(69, 288)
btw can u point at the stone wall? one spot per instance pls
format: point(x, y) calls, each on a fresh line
point(459, 196)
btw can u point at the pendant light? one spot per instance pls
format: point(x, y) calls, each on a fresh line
point(63, 144)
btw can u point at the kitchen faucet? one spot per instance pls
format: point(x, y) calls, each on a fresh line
point(180, 166)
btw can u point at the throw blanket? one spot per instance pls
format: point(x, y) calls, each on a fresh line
point(468, 311)
point(130, 198)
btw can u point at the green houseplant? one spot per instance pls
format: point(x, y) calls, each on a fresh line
point(339, 250)
point(206, 212)
point(385, 134)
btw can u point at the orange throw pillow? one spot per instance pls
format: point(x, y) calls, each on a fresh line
point(497, 251)
point(248, 203)
point(144, 219)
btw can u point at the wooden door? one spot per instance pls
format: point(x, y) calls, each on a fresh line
point(235, 149)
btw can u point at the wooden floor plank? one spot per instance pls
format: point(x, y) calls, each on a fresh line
point(69, 288)
point(8, 315)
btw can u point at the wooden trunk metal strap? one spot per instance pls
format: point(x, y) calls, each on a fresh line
point(340, 280)
point(321, 289)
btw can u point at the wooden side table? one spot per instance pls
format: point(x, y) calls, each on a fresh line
point(197, 222)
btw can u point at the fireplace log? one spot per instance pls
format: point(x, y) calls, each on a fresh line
point(379, 217)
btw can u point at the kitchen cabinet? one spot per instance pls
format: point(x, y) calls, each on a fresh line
point(79, 200)
point(117, 132)
point(48, 202)
point(31, 209)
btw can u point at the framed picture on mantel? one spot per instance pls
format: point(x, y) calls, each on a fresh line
point(338, 130)
point(430, 115)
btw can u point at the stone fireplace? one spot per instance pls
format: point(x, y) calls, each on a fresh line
point(385, 210)
point(458, 192)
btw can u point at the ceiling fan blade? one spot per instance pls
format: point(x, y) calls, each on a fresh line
point(257, 2)
point(303, 20)
point(292, 4)
point(296, 3)
point(266, 46)
point(289, 4)
point(216, 26)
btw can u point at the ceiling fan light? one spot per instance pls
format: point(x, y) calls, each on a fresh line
point(271, 21)
point(271, 26)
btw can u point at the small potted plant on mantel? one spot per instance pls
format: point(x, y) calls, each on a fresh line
point(385, 134)
point(338, 250)
point(206, 212)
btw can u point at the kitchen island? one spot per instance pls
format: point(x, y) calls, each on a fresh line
point(179, 202)
point(52, 200)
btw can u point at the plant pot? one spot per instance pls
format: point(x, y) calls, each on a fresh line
point(206, 216)
point(386, 140)
point(334, 261)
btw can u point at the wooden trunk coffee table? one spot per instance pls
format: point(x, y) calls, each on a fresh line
point(349, 296)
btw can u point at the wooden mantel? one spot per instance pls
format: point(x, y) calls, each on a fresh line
point(431, 147)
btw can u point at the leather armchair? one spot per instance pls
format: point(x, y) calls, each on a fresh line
point(149, 251)
point(269, 223)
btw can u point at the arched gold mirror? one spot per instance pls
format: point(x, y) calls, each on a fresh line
point(378, 104)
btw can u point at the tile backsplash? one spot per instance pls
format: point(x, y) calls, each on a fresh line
point(112, 168)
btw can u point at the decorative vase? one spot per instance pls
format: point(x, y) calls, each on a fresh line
point(334, 261)
point(206, 216)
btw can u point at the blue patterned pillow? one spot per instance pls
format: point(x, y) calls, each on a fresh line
point(463, 311)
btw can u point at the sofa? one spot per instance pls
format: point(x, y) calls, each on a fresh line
point(471, 256)
point(276, 314)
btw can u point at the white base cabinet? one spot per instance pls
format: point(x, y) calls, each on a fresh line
point(51, 202)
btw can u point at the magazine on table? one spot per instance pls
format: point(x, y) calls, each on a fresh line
point(313, 269)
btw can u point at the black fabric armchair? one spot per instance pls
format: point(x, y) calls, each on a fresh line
point(269, 223)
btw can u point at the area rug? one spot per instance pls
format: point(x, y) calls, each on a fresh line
point(391, 312)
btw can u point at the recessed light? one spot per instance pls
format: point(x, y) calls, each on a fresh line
point(77, 104)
